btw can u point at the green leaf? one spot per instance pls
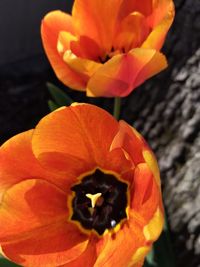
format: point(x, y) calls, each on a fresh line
point(150, 259)
point(60, 97)
point(52, 105)
point(7, 263)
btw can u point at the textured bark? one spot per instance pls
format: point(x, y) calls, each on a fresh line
point(165, 110)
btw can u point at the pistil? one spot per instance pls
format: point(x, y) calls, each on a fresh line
point(94, 199)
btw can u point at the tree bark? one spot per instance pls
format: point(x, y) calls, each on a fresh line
point(166, 110)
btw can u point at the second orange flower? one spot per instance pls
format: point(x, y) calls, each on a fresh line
point(107, 48)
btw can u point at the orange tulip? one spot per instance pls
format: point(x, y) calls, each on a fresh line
point(107, 48)
point(79, 189)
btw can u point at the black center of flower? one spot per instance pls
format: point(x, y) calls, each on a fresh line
point(100, 201)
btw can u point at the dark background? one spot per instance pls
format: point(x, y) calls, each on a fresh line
point(165, 109)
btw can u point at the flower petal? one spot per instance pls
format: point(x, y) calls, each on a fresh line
point(126, 37)
point(122, 73)
point(53, 245)
point(152, 164)
point(145, 193)
point(25, 209)
point(86, 47)
point(117, 161)
point(52, 24)
point(127, 240)
point(155, 62)
point(81, 131)
point(89, 256)
point(129, 6)
point(154, 228)
point(130, 141)
point(83, 66)
point(97, 21)
point(18, 163)
point(160, 22)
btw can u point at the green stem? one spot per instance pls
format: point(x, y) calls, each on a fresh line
point(117, 107)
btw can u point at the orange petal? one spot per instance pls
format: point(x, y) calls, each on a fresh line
point(83, 66)
point(65, 165)
point(160, 22)
point(18, 163)
point(145, 193)
point(132, 31)
point(130, 141)
point(116, 161)
point(154, 63)
point(89, 256)
point(97, 20)
point(129, 6)
point(64, 41)
point(82, 131)
point(126, 241)
point(86, 47)
point(122, 73)
point(24, 209)
point(52, 24)
point(113, 79)
point(53, 245)
point(152, 164)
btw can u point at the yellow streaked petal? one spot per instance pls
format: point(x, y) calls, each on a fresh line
point(80, 65)
point(153, 229)
point(139, 255)
point(64, 40)
point(160, 22)
point(152, 164)
point(52, 24)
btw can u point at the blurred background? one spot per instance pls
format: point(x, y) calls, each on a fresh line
point(166, 109)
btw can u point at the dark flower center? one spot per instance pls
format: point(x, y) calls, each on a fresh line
point(100, 201)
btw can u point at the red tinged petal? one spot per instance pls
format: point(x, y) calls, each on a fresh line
point(130, 141)
point(52, 24)
point(129, 6)
point(28, 206)
point(85, 47)
point(97, 20)
point(145, 193)
point(117, 161)
point(76, 132)
point(124, 72)
point(156, 63)
point(53, 245)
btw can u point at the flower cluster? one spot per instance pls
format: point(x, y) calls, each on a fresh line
point(82, 188)
point(79, 188)
point(107, 48)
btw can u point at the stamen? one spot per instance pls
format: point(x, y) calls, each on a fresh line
point(104, 207)
point(94, 198)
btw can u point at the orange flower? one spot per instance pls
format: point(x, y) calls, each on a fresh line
point(107, 48)
point(80, 188)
